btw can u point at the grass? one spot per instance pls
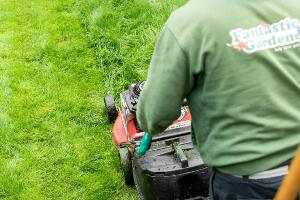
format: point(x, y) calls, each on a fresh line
point(57, 61)
point(123, 34)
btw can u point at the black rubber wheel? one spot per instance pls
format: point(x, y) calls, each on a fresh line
point(126, 165)
point(111, 109)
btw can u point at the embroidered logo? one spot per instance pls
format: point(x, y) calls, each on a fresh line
point(279, 36)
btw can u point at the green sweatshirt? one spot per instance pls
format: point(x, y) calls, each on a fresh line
point(238, 64)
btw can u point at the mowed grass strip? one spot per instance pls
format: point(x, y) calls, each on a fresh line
point(54, 141)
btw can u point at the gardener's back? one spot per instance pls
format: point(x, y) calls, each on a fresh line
point(238, 63)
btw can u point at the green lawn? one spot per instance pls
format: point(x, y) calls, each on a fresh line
point(57, 61)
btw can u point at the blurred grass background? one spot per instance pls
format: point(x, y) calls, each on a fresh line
point(57, 61)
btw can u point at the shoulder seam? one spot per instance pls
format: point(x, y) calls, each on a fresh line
point(176, 40)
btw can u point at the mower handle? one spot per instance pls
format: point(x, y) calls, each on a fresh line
point(145, 144)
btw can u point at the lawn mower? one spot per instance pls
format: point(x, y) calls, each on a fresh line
point(172, 168)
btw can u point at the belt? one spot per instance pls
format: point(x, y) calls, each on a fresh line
point(281, 171)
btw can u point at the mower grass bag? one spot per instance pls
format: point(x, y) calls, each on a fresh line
point(171, 169)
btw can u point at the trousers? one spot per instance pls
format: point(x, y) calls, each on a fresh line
point(229, 187)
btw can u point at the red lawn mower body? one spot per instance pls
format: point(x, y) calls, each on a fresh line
point(121, 135)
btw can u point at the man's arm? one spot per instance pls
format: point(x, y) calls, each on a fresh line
point(169, 81)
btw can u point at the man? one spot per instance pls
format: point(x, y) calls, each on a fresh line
point(238, 64)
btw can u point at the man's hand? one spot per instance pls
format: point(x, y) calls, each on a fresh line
point(145, 144)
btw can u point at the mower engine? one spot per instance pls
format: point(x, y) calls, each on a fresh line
point(172, 168)
point(129, 99)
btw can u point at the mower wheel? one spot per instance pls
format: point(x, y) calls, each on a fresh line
point(111, 109)
point(126, 165)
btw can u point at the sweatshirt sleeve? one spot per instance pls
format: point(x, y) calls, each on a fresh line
point(169, 81)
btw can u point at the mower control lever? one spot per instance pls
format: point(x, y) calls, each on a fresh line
point(131, 144)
